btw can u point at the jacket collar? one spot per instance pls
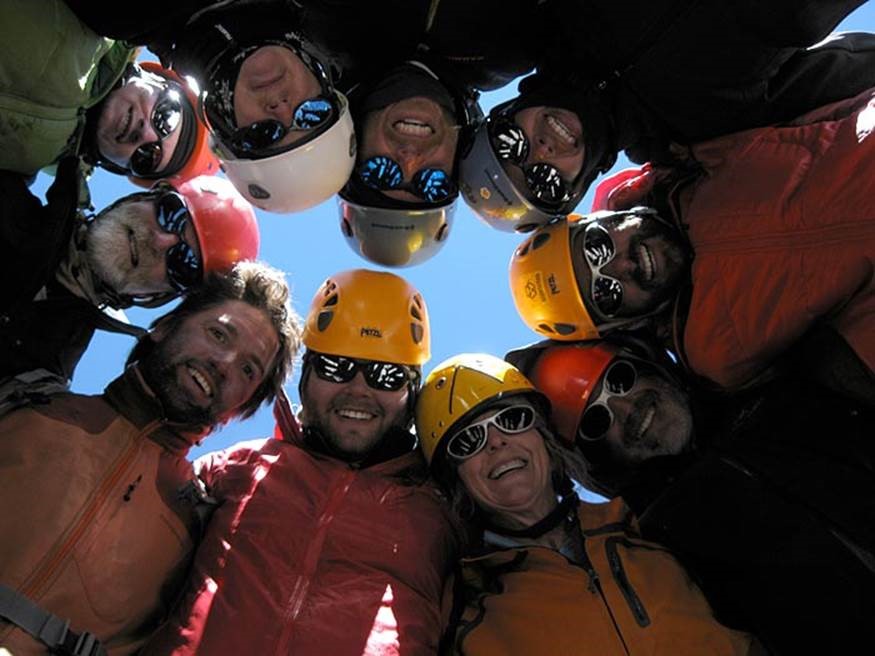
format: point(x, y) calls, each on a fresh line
point(132, 398)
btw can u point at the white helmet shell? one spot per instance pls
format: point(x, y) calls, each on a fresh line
point(302, 177)
point(490, 193)
point(395, 237)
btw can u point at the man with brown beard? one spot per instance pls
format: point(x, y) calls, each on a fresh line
point(145, 249)
point(99, 508)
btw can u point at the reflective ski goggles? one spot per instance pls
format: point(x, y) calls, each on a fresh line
point(165, 119)
point(184, 268)
point(619, 379)
point(471, 440)
point(261, 135)
point(381, 376)
point(384, 174)
point(544, 180)
point(598, 249)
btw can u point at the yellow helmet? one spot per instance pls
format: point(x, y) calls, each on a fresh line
point(370, 315)
point(457, 387)
point(544, 286)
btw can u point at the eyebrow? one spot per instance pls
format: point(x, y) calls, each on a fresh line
point(224, 321)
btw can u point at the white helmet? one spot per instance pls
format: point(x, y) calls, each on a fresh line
point(395, 237)
point(300, 178)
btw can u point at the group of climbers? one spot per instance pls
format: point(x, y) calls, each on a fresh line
point(708, 365)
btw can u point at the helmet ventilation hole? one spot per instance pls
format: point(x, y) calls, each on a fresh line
point(564, 328)
point(324, 319)
point(545, 328)
point(345, 228)
point(416, 332)
point(330, 301)
point(540, 240)
point(442, 232)
point(527, 227)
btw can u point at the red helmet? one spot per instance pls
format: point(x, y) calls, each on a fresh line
point(227, 231)
point(567, 374)
point(202, 161)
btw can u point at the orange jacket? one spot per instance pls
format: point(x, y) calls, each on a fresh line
point(95, 528)
point(631, 598)
point(782, 222)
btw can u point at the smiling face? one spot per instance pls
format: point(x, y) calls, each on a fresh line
point(208, 365)
point(352, 417)
point(555, 137)
point(510, 479)
point(127, 249)
point(648, 263)
point(415, 132)
point(653, 419)
point(271, 84)
point(125, 122)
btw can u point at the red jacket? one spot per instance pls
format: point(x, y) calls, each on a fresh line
point(308, 555)
point(95, 514)
point(782, 223)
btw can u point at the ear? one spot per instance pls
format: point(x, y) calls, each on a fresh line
point(160, 330)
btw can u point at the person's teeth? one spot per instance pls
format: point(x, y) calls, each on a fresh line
point(561, 130)
point(349, 413)
point(413, 127)
point(648, 419)
point(645, 257)
point(511, 465)
point(201, 380)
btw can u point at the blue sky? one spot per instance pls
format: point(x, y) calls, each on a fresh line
point(465, 285)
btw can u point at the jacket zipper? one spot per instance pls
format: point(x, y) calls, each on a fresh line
point(34, 588)
point(311, 559)
point(619, 573)
point(595, 587)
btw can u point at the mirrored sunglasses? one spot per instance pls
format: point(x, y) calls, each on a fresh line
point(599, 251)
point(261, 135)
point(619, 380)
point(544, 181)
point(184, 268)
point(381, 376)
point(471, 440)
point(166, 118)
point(384, 174)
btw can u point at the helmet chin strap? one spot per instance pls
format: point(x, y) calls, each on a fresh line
point(563, 509)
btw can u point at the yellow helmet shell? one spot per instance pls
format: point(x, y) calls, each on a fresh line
point(456, 388)
point(544, 287)
point(371, 315)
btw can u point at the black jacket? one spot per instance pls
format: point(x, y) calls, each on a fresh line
point(687, 70)
point(775, 517)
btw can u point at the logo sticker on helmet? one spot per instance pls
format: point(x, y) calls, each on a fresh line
point(531, 290)
point(370, 332)
point(258, 192)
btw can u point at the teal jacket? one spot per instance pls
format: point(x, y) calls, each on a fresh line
point(52, 70)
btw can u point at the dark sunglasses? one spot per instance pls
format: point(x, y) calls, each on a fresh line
point(596, 420)
point(599, 250)
point(544, 181)
point(183, 265)
point(384, 174)
point(381, 376)
point(166, 118)
point(261, 135)
point(471, 440)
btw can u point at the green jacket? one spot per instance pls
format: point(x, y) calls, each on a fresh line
point(52, 69)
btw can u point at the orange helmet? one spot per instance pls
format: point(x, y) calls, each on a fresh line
point(544, 286)
point(371, 315)
point(201, 161)
point(567, 375)
point(227, 231)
